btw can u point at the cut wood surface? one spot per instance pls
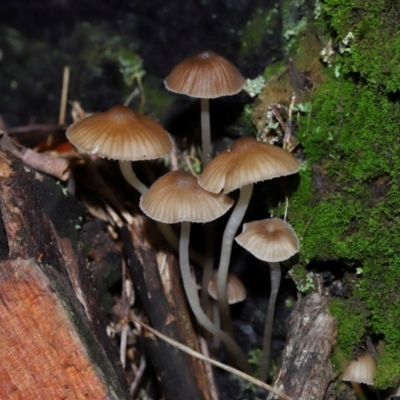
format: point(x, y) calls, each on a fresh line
point(41, 353)
point(53, 343)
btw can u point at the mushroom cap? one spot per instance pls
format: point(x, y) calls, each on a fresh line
point(247, 161)
point(361, 370)
point(235, 289)
point(271, 240)
point(177, 197)
point(205, 75)
point(122, 134)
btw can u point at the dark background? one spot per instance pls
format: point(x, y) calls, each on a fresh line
point(39, 38)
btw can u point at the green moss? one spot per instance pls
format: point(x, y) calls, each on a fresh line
point(388, 369)
point(347, 204)
point(302, 278)
point(253, 34)
point(352, 322)
point(294, 21)
point(373, 48)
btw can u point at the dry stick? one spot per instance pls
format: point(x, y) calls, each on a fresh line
point(54, 166)
point(63, 103)
point(231, 370)
point(132, 95)
point(212, 390)
point(64, 96)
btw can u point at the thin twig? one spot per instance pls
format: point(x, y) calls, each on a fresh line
point(131, 96)
point(210, 376)
point(174, 156)
point(278, 116)
point(54, 166)
point(287, 138)
point(189, 165)
point(64, 96)
point(307, 225)
point(213, 362)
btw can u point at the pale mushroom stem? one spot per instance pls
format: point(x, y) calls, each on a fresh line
point(266, 356)
point(223, 268)
point(205, 159)
point(194, 303)
point(205, 132)
point(131, 178)
point(165, 229)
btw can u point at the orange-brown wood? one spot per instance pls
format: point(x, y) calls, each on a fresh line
point(53, 342)
point(40, 351)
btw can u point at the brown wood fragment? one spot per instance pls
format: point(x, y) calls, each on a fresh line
point(306, 371)
point(181, 377)
point(53, 166)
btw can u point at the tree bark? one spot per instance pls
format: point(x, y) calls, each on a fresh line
point(306, 370)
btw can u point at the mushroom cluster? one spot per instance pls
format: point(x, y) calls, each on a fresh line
point(179, 197)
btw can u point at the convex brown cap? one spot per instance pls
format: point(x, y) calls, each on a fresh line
point(247, 161)
point(235, 289)
point(122, 134)
point(177, 197)
point(271, 240)
point(205, 75)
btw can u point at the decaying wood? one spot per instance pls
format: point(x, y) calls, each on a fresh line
point(53, 340)
point(306, 371)
point(181, 376)
point(53, 166)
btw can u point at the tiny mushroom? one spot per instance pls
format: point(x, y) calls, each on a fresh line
point(360, 370)
point(206, 75)
point(236, 293)
point(177, 197)
point(272, 240)
point(236, 290)
point(246, 162)
point(124, 135)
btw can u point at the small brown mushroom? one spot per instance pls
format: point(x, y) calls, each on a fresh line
point(124, 135)
point(206, 75)
point(360, 370)
point(247, 161)
point(177, 197)
point(272, 240)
